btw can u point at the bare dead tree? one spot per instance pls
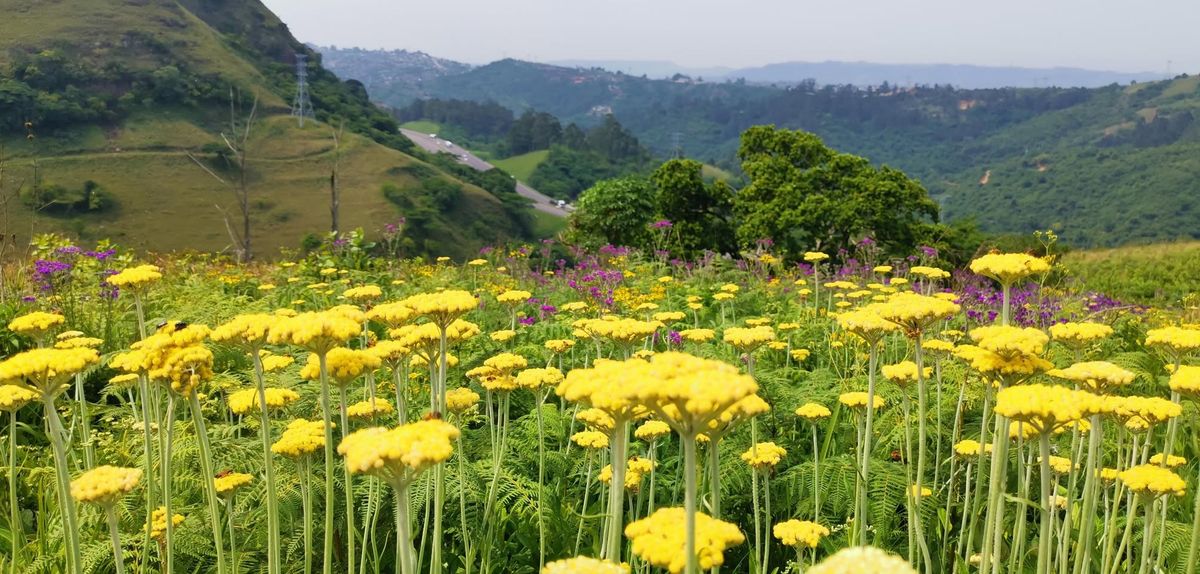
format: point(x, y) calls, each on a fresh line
point(335, 198)
point(237, 141)
point(8, 241)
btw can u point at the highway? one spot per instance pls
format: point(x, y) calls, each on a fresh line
point(541, 202)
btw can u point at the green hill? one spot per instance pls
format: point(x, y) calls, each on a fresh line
point(522, 166)
point(118, 94)
point(1103, 166)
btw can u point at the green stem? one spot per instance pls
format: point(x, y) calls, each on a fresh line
point(766, 551)
point(689, 504)
point(233, 551)
point(307, 510)
point(1087, 525)
point(404, 547)
point(1007, 297)
point(148, 462)
point(114, 535)
point(541, 480)
point(872, 366)
point(587, 485)
point(168, 445)
point(922, 434)
point(816, 477)
point(996, 481)
point(326, 413)
point(714, 477)
point(439, 486)
point(89, 450)
point(351, 555)
point(616, 493)
point(14, 511)
point(1147, 538)
point(1044, 544)
point(462, 505)
point(758, 550)
point(210, 488)
point(264, 431)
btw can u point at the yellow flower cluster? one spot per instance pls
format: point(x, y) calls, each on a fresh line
point(660, 539)
point(249, 330)
point(596, 419)
point(317, 332)
point(302, 437)
point(1058, 464)
point(514, 297)
point(1152, 480)
point(1008, 268)
point(813, 412)
point(363, 293)
point(815, 256)
point(46, 370)
point(503, 335)
point(584, 565)
point(230, 483)
point(797, 533)
point(534, 379)
point(747, 339)
point(76, 342)
point(928, 272)
point(1178, 339)
point(862, 560)
point(914, 312)
point(158, 523)
point(370, 409)
point(1009, 342)
point(1141, 413)
point(619, 330)
point(461, 400)
point(245, 401)
point(968, 447)
point(122, 381)
point(1186, 380)
point(399, 453)
point(591, 439)
point(764, 455)
point(442, 307)
point(635, 470)
point(36, 324)
point(858, 400)
point(272, 363)
point(135, 277)
point(652, 430)
point(391, 314)
point(343, 365)
point(1077, 335)
point(1044, 407)
point(13, 397)
point(904, 373)
point(689, 393)
point(1096, 376)
point(866, 322)
point(1172, 461)
point(697, 335)
point(669, 316)
point(105, 484)
point(559, 345)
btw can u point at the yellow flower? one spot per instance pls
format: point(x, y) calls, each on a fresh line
point(135, 277)
point(103, 485)
point(13, 397)
point(636, 469)
point(1172, 461)
point(764, 455)
point(1097, 376)
point(317, 332)
point(584, 565)
point(302, 437)
point(862, 560)
point(747, 339)
point(1044, 407)
point(867, 322)
point(1186, 380)
point(660, 539)
point(1152, 480)
point(392, 314)
point(815, 256)
point(245, 401)
point(970, 448)
point(937, 346)
point(722, 296)
point(591, 439)
point(799, 533)
point(559, 345)
point(813, 412)
point(914, 313)
point(925, 492)
point(1141, 413)
point(697, 335)
point(36, 324)
point(461, 400)
point(370, 409)
point(904, 373)
point(158, 523)
point(272, 363)
point(596, 419)
point(1059, 464)
point(477, 262)
point(514, 297)
point(75, 342)
point(399, 454)
point(1076, 335)
point(928, 272)
point(230, 483)
point(363, 293)
point(47, 370)
point(534, 379)
point(1008, 341)
point(799, 355)
point(1008, 268)
point(669, 316)
point(1108, 474)
point(858, 399)
point(503, 336)
point(652, 430)
point(1178, 339)
point(343, 365)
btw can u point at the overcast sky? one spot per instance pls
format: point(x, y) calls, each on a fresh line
point(1121, 35)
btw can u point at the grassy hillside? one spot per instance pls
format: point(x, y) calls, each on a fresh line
point(1159, 274)
point(1102, 166)
point(522, 166)
point(119, 93)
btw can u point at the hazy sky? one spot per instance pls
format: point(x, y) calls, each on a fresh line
point(1122, 35)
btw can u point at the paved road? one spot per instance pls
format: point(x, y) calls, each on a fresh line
point(541, 202)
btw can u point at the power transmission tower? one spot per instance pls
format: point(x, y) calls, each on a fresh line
point(301, 104)
point(677, 145)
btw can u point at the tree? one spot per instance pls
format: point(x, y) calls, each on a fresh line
point(335, 193)
point(701, 214)
point(238, 143)
point(615, 211)
point(804, 195)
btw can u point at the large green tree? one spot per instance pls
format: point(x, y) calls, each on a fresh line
point(615, 211)
point(804, 196)
point(701, 214)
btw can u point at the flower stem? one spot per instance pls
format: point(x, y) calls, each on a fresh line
point(537, 407)
point(462, 505)
point(816, 476)
point(210, 489)
point(307, 510)
point(114, 535)
point(14, 511)
point(404, 547)
point(616, 493)
point(1044, 543)
point(168, 557)
point(689, 503)
point(326, 413)
point(273, 545)
point(1087, 526)
point(349, 486)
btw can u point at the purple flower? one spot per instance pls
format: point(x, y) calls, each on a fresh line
point(68, 250)
point(28, 299)
point(674, 338)
point(527, 321)
point(101, 255)
point(661, 224)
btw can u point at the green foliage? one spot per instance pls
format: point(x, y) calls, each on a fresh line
point(804, 195)
point(701, 214)
point(615, 211)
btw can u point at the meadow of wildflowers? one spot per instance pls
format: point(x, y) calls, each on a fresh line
point(614, 412)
